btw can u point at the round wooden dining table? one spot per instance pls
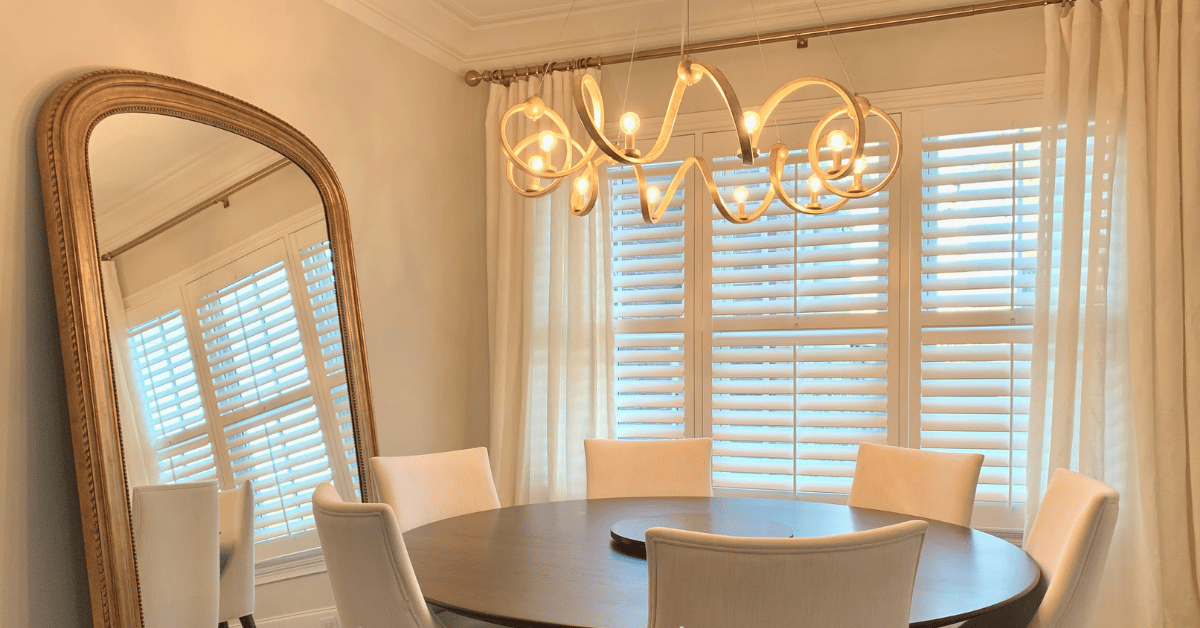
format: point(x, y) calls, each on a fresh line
point(556, 564)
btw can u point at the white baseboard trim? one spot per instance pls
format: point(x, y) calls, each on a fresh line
point(316, 618)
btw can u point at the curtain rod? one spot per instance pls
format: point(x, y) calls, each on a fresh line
point(220, 197)
point(801, 36)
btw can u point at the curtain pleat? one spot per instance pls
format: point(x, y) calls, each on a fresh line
point(550, 321)
point(1117, 316)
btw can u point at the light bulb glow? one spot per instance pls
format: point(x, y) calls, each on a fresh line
point(750, 121)
point(814, 183)
point(652, 194)
point(860, 165)
point(740, 194)
point(630, 122)
point(537, 163)
point(582, 185)
point(837, 141)
point(547, 140)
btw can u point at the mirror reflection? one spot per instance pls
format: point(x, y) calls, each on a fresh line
point(224, 330)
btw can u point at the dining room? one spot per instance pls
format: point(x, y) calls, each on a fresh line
point(600, 313)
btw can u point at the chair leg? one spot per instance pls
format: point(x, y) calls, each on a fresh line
point(247, 621)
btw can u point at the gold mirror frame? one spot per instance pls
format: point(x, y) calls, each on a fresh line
point(64, 128)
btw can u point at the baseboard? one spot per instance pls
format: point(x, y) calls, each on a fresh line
point(316, 618)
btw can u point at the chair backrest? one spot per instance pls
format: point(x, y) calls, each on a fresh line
point(649, 468)
point(1069, 540)
point(175, 539)
point(703, 580)
point(237, 553)
point(374, 585)
point(431, 487)
point(930, 484)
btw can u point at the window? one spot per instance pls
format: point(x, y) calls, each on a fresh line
point(903, 318)
point(244, 380)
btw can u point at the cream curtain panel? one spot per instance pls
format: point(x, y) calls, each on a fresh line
point(549, 317)
point(141, 460)
point(1117, 323)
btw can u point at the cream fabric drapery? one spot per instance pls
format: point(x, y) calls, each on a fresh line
point(1117, 323)
point(141, 461)
point(549, 318)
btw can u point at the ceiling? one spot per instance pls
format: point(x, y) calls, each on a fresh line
point(489, 34)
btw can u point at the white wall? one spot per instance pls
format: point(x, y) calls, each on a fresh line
point(398, 130)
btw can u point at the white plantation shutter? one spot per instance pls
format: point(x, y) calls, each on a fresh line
point(270, 429)
point(978, 254)
point(317, 264)
point(167, 380)
point(799, 341)
point(649, 299)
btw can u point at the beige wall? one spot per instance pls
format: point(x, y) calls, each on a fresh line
point(987, 46)
point(397, 129)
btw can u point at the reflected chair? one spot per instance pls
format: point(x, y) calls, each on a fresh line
point(649, 468)
point(929, 484)
point(175, 537)
point(703, 580)
point(1069, 541)
point(431, 487)
point(237, 556)
point(374, 584)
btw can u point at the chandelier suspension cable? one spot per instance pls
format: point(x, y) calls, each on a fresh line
point(833, 43)
point(763, 57)
point(557, 45)
point(637, 28)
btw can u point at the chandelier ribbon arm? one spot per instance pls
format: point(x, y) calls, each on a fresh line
point(536, 110)
point(653, 210)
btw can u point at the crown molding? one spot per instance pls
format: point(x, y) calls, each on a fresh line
point(457, 38)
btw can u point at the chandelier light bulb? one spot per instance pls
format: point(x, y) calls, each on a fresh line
point(630, 122)
point(537, 163)
point(582, 185)
point(814, 186)
point(837, 141)
point(547, 140)
point(740, 194)
point(814, 183)
point(860, 165)
point(750, 121)
point(652, 194)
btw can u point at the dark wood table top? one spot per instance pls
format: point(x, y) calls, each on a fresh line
point(555, 564)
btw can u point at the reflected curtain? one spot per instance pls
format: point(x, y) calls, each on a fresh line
point(549, 317)
point(141, 463)
point(1117, 318)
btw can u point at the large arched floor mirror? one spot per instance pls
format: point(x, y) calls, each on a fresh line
point(211, 335)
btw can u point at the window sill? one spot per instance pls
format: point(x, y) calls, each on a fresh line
point(289, 566)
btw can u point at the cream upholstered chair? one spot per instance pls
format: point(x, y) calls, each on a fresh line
point(374, 585)
point(649, 468)
point(431, 487)
point(703, 580)
point(175, 536)
point(930, 484)
point(1069, 541)
point(237, 556)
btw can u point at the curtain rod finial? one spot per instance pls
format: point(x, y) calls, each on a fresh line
point(472, 78)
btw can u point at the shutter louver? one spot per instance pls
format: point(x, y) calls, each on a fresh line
point(648, 308)
point(979, 228)
point(167, 379)
point(799, 343)
point(317, 263)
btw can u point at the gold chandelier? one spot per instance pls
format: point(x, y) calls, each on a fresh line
point(552, 155)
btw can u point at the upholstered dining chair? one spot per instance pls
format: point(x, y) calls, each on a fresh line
point(649, 468)
point(703, 580)
point(374, 585)
point(175, 539)
point(431, 487)
point(930, 484)
point(237, 556)
point(1069, 541)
